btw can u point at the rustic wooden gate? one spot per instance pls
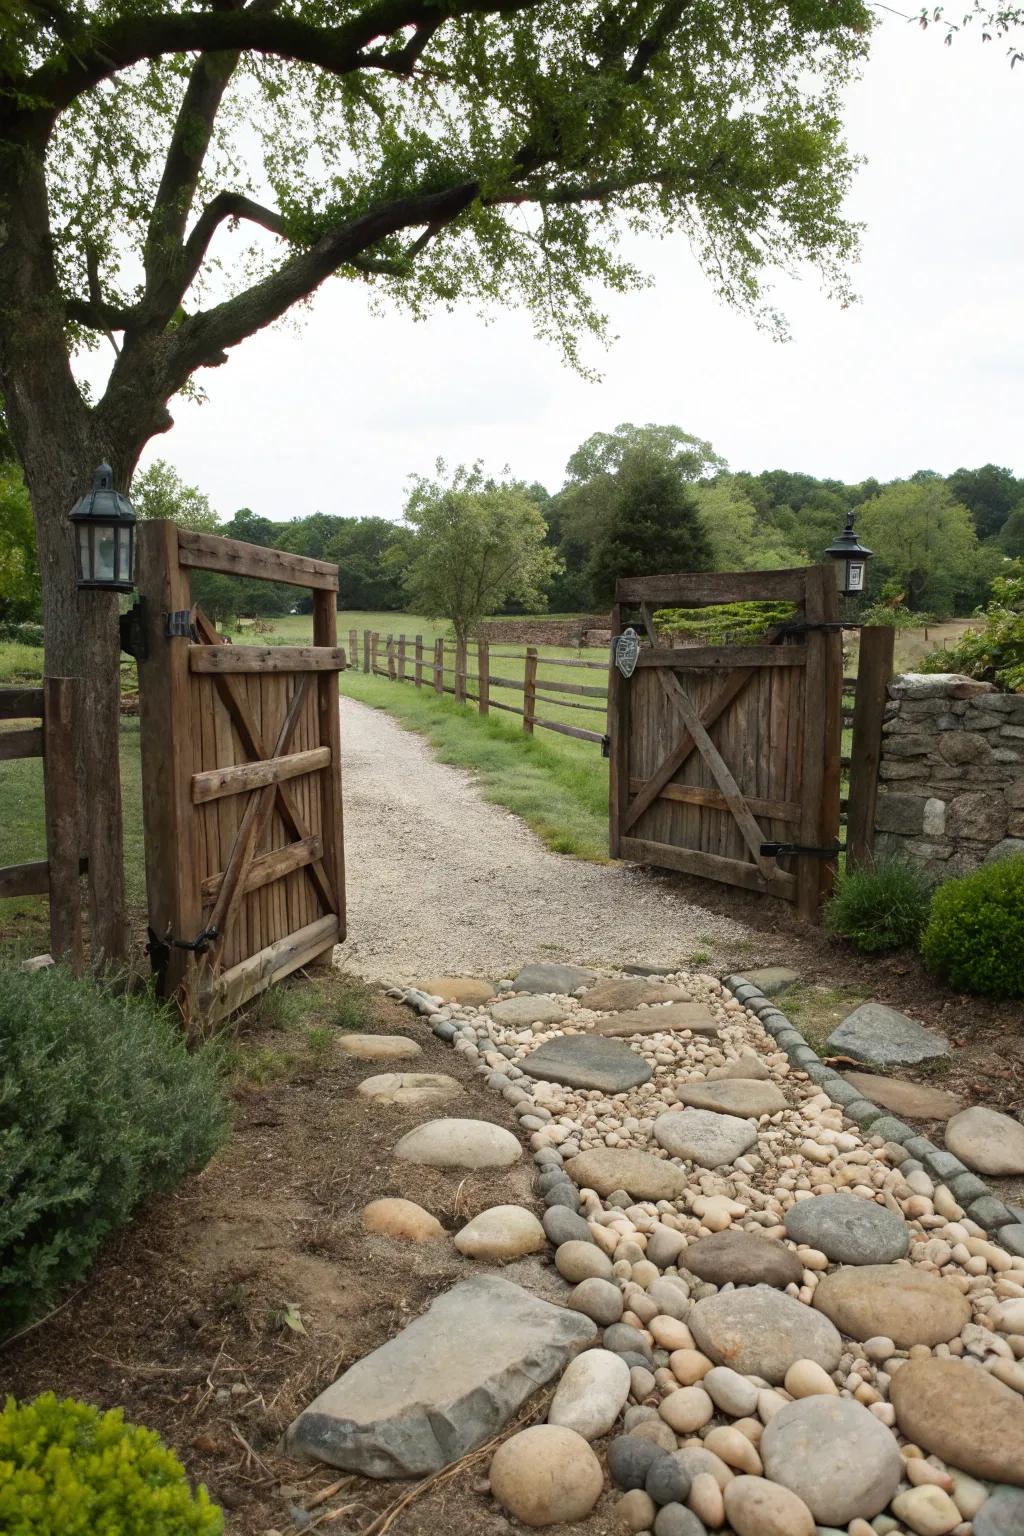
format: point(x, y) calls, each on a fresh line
point(720, 751)
point(241, 778)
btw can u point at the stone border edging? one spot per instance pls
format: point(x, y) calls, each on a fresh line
point(977, 1199)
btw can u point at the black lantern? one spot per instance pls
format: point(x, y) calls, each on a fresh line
point(851, 560)
point(105, 536)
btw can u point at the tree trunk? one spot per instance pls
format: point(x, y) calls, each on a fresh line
point(53, 433)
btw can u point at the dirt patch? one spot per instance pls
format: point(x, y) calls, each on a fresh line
point(182, 1321)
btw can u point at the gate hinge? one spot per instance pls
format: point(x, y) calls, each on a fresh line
point(179, 625)
point(132, 631)
point(160, 949)
point(779, 850)
point(606, 746)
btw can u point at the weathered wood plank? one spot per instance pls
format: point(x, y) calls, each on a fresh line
point(245, 776)
point(25, 742)
point(583, 690)
point(236, 986)
point(874, 672)
point(570, 730)
point(329, 722)
point(691, 861)
point(697, 794)
point(207, 552)
point(271, 866)
point(721, 657)
point(266, 658)
point(705, 588)
point(20, 703)
point(530, 690)
point(483, 675)
point(25, 879)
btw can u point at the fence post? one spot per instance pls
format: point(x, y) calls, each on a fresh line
point(874, 669)
point(352, 660)
point(374, 644)
point(418, 664)
point(61, 800)
point(460, 671)
point(390, 653)
point(530, 690)
point(439, 665)
point(483, 671)
point(401, 658)
point(366, 650)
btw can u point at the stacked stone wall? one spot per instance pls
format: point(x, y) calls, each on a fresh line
point(951, 791)
point(591, 630)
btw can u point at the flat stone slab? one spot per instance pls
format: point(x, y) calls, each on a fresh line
point(849, 1230)
point(762, 1332)
point(458, 989)
point(733, 1096)
point(460, 1144)
point(772, 979)
point(379, 1047)
point(524, 1012)
point(447, 1382)
point(751, 1067)
point(410, 1090)
point(607, 1169)
point(704, 1137)
point(586, 1061)
point(654, 1021)
point(911, 1101)
point(892, 1301)
point(742, 1258)
point(874, 1032)
point(987, 1141)
point(609, 996)
point(547, 977)
point(964, 1415)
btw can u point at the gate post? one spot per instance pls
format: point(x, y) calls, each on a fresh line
point(618, 743)
point(874, 669)
point(172, 885)
point(483, 675)
point(530, 690)
point(820, 787)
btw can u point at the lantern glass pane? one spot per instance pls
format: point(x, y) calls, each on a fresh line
point(84, 553)
point(855, 580)
point(105, 551)
point(124, 554)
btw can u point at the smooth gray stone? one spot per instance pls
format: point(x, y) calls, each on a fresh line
point(990, 1213)
point(630, 1458)
point(841, 1093)
point(874, 1032)
point(817, 1072)
point(834, 1455)
point(443, 1030)
point(447, 1382)
point(562, 1194)
point(943, 1165)
point(967, 1187)
point(546, 977)
point(1012, 1239)
point(651, 970)
point(862, 1113)
point(920, 1146)
point(762, 1332)
point(677, 1520)
point(1002, 1513)
point(773, 979)
point(849, 1230)
point(892, 1129)
point(588, 1061)
point(564, 1226)
point(704, 1137)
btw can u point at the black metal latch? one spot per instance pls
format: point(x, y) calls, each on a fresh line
point(160, 949)
point(606, 746)
point(132, 631)
point(779, 850)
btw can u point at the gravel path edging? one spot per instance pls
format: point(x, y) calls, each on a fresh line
point(978, 1200)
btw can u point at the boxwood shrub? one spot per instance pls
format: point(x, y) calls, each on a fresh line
point(975, 935)
point(882, 908)
point(101, 1104)
point(68, 1470)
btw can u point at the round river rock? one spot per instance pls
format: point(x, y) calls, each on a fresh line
point(546, 1475)
point(895, 1302)
point(705, 1138)
point(523, 1012)
point(586, 1061)
point(835, 1455)
point(410, 1090)
point(606, 1169)
point(460, 1144)
point(849, 1230)
point(987, 1141)
point(964, 1415)
point(761, 1332)
point(502, 1232)
point(743, 1258)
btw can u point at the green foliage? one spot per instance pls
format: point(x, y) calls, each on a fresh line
point(653, 525)
point(882, 908)
point(70, 1470)
point(995, 651)
point(351, 1011)
point(159, 491)
point(975, 937)
point(741, 538)
point(101, 1105)
point(891, 609)
point(923, 539)
point(19, 567)
point(478, 544)
point(724, 623)
point(990, 494)
point(24, 633)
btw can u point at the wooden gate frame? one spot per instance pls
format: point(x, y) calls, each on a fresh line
point(812, 588)
point(171, 788)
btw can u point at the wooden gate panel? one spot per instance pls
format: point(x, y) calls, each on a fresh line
point(241, 755)
point(718, 750)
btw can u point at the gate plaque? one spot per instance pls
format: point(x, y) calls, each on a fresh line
point(626, 650)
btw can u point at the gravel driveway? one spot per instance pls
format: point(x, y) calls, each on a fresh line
point(440, 881)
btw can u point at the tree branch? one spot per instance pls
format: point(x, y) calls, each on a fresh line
point(226, 205)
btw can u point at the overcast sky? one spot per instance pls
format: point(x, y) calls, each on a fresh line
point(926, 372)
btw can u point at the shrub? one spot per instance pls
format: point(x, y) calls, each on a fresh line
point(723, 623)
point(881, 908)
point(975, 936)
point(995, 651)
point(101, 1104)
point(24, 633)
point(69, 1470)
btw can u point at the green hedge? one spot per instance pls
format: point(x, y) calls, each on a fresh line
point(723, 623)
point(101, 1104)
point(975, 936)
point(68, 1470)
point(21, 633)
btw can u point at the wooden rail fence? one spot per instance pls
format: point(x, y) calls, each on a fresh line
point(446, 670)
point(57, 875)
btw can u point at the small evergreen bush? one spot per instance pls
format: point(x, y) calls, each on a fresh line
point(68, 1470)
point(975, 936)
point(882, 908)
point(101, 1104)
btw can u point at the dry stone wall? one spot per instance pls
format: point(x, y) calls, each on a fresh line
point(591, 630)
point(951, 792)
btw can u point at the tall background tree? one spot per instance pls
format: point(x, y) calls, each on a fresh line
point(654, 524)
point(484, 148)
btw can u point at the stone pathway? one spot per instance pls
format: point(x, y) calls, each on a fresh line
point(774, 1322)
